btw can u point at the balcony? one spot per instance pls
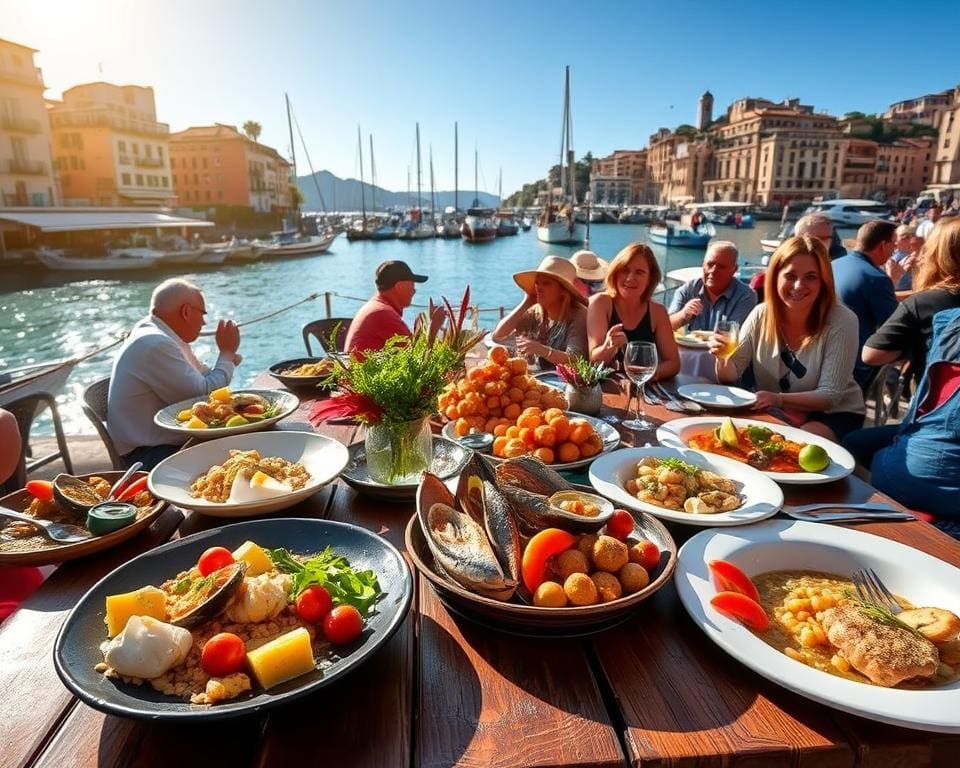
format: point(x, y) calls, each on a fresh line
point(125, 160)
point(148, 162)
point(30, 78)
point(25, 167)
point(19, 124)
point(95, 118)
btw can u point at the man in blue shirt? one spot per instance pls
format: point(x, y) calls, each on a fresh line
point(701, 302)
point(864, 287)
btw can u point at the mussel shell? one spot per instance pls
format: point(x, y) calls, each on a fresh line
point(534, 512)
point(206, 603)
point(67, 487)
point(532, 475)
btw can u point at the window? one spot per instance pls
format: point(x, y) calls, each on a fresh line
point(204, 162)
point(196, 180)
point(122, 146)
point(136, 149)
point(148, 149)
point(139, 179)
point(73, 162)
point(220, 195)
point(208, 195)
point(193, 162)
point(65, 141)
point(165, 181)
point(174, 180)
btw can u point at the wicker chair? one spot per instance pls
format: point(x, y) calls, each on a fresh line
point(321, 330)
point(95, 409)
point(25, 411)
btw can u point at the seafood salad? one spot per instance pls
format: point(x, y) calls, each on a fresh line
point(236, 621)
point(320, 368)
point(676, 484)
point(246, 476)
point(761, 448)
point(225, 409)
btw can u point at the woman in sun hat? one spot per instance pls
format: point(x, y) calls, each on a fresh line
point(591, 270)
point(551, 321)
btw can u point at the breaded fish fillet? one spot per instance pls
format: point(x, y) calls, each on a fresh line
point(886, 654)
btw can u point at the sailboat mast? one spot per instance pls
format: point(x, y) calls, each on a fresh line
point(373, 179)
point(456, 168)
point(293, 158)
point(433, 198)
point(500, 188)
point(419, 196)
point(476, 184)
point(570, 155)
point(363, 199)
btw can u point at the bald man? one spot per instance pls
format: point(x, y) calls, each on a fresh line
point(156, 368)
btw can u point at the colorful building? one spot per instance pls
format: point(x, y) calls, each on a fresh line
point(217, 165)
point(109, 148)
point(26, 170)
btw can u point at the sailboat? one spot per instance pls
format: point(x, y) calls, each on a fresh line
point(361, 232)
point(557, 224)
point(506, 223)
point(388, 229)
point(449, 225)
point(415, 226)
point(479, 225)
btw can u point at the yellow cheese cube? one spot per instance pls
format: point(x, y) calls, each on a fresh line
point(185, 415)
point(283, 658)
point(196, 423)
point(221, 395)
point(256, 558)
point(148, 601)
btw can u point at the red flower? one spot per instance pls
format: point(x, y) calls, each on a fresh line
point(360, 407)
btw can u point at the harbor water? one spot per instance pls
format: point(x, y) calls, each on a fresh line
point(53, 315)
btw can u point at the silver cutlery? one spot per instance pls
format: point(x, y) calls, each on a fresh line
point(845, 517)
point(865, 507)
point(675, 404)
point(872, 589)
point(649, 395)
point(123, 479)
point(62, 532)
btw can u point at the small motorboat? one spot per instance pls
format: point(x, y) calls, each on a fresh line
point(295, 244)
point(479, 226)
point(506, 224)
point(116, 259)
point(681, 235)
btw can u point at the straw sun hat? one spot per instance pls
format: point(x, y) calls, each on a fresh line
point(589, 266)
point(559, 269)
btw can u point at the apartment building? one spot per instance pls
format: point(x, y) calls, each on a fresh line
point(26, 170)
point(925, 110)
point(904, 167)
point(947, 154)
point(629, 164)
point(108, 147)
point(218, 165)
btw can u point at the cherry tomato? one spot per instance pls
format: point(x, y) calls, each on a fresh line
point(649, 553)
point(728, 578)
point(343, 624)
point(741, 608)
point(223, 655)
point(313, 604)
point(140, 484)
point(546, 544)
point(214, 559)
point(254, 409)
point(40, 489)
point(620, 525)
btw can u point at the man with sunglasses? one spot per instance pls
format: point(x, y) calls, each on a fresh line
point(156, 368)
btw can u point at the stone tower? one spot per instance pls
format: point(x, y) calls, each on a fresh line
point(705, 111)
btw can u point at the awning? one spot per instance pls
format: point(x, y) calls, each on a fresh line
point(65, 220)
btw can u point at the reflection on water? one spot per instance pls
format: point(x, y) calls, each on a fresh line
point(46, 315)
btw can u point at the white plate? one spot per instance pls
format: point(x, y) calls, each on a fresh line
point(717, 395)
point(676, 433)
point(693, 341)
point(611, 439)
point(287, 402)
point(551, 379)
point(790, 545)
point(761, 496)
point(323, 457)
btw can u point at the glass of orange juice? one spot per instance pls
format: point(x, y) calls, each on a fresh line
point(728, 333)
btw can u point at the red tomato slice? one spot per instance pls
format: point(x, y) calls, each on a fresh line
point(741, 608)
point(140, 484)
point(546, 544)
point(40, 489)
point(728, 578)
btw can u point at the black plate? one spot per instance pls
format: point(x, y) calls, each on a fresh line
point(296, 382)
point(77, 648)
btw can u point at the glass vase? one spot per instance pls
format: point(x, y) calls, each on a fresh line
point(398, 453)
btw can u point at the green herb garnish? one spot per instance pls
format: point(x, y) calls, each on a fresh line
point(361, 589)
point(879, 613)
point(771, 449)
point(758, 435)
point(680, 466)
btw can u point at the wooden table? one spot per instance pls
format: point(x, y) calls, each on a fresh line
point(443, 691)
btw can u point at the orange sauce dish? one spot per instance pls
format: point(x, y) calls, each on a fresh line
point(760, 448)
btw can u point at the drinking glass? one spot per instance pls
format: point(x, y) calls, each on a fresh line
point(640, 364)
point(728, 333)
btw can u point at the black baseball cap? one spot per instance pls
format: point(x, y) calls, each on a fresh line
point(392, 272)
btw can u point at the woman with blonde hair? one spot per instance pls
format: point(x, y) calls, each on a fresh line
point(626, 312)
point(801, 344)
point(551, 320)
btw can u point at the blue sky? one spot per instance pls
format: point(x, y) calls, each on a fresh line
point(495, 67)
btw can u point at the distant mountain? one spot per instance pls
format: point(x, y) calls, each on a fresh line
point(344, 195)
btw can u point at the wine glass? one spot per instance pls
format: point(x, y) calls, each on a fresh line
point(640, 364)
point(728, 334)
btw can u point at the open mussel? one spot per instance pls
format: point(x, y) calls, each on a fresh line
point(459, 543)
point(201, 599)
point(74, 494)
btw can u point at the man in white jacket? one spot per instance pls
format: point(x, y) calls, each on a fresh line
point(156, 368)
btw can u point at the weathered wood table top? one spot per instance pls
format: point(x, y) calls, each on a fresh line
point(444, 691)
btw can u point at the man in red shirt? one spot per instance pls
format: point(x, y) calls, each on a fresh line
point(382, 316)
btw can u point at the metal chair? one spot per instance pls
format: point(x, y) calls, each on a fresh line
point(884, 396)
point(95, 409)
point(25, 411)
point(321, 330)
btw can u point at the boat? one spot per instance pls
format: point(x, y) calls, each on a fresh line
point(115, 260)
point(292, 243)
point(725, 213)
point(234, 250)
point(416, 225)
point(770, 244)
point(681, 235)
point(176, 250)
point(358, 230)
point(25, 380)
point(506, 224)
point(449, 224)
point(479, 225)
point(526, 223)
point(557, 224)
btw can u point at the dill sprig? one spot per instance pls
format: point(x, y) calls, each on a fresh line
point(879, 613)
point(680, 466)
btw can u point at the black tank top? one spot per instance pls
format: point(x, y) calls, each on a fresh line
point(642, 331)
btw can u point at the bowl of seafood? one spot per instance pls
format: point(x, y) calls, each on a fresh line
point(302, 372)
point(248, 474)
point(686, 486)
point(517, 548)
point(233, 620)
point(227, 412)
point(22, 544)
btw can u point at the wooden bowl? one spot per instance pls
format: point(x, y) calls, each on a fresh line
point(524, 619)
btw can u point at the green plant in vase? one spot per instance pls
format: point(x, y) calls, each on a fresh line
point(583, 380)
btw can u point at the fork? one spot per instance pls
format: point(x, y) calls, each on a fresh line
point(650, 397)
point(62, 532)
point(872, 589)
point(673, 404)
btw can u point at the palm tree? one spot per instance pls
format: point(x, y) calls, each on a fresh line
point(252, 128)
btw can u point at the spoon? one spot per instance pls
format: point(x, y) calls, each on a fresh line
point(62, 532)
point(123, 479)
